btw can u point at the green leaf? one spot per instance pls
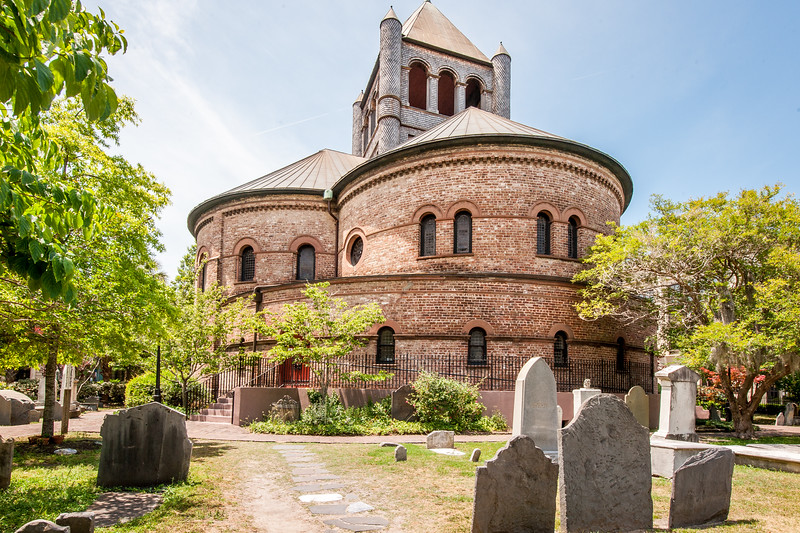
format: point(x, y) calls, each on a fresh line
point(43, 76)
point(38, 6)
point(59, 9)
point(35, 249)
point(82, 64)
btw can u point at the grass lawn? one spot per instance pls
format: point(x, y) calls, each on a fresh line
point(234, 486)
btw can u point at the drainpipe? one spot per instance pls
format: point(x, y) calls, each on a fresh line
point(328, 196)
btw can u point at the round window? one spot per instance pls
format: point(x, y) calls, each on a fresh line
point(356, 249)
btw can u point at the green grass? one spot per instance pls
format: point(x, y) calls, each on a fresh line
point(728, 440)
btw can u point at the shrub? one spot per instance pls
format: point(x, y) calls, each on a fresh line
point(140, 390)
point(445, 403)
point(28, 387)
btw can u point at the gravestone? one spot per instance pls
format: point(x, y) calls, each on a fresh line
point(77, 522)
point(20, 406)
point(678, 399)
point(41, 392)
point(780, 420)
point(6, 459)
point(144, 446)
point(790, 414)
point(285, 410)
point(581, 395)
point(604, 469)
point(440, 439)
point(5, 412)
point(400, 453)
point(516, 491)
point(401, 409)
point(536, 406)
point(639, 404)
point(476, 455)
point(701, 489)
point(42, 526)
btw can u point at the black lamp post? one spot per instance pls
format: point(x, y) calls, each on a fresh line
point(157, 392)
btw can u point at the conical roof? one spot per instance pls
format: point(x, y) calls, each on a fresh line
point(427, 25)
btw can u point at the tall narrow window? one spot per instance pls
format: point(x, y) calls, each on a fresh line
point(247, 269)
point(543, 234)
point(477, 347)
point(473, 94)
point(417, 87)
point(560, 354)
point(620, 355)
point(356, 249)
point(447, 94)
point(427, 235)
point(462, 233)
point(572, 238)
point(202, 276)
point(306, 263)
point(385, 346)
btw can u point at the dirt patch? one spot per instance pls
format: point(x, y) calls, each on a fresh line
point(112, 508)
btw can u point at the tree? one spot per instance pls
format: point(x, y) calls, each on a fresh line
point(47, 48)
point(719, 278)
point(320, 333)
point(206, 323)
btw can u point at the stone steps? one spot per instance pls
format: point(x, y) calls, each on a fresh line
point(211, 418)
point(220, 411)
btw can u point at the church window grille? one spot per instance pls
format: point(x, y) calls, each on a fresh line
point(248, 264)
point(417, 87)
point(543, 224)
point(427, 235)
point(477, 347)
point(572, 238)
point(356, 249)
point(462, 238)
point(306, 263)
point(560, 351)
point(447, 94)
point(385, 346)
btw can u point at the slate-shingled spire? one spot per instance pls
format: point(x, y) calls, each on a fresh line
point(502, 82)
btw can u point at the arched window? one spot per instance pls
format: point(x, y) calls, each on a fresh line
point(306, 263)
point(560, 353)
point(447, 94)
point(543, 233)
point(620, 355)
point(477, 347)
point(201, 282)
point(427, 235)
point(572, 238)
point(473, 94)
point(385, 346)
point(462, 233)
point(356, 249)
point(247, 270)
point(418, 86)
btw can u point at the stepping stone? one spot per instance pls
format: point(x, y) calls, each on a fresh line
point(314, 487)
point(288, 447)
point(301, 459)
point(320, 498)
point(358, 523)
point(336, 508)
point(359, 507)
point(306, 465)
point(447, 451)
point(314, 477)
point(308, 471)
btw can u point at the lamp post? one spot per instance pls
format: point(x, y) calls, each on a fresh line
point(157, 392)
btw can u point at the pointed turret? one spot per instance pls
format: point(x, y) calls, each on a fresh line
point(501, 50)
point(390, 15)
point(389, 83)
point(358, 141)
point(501, 63)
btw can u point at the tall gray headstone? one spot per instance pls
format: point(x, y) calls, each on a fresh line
point(678, 399)
point(5, 412)
point(516, 491)
point(581, 395)
point(604, 469)
point(701, 489)
point(144, 446)
point(639, 404)
point(6, 460)
point(536, 405)
point(401, 409)
point(780, 420)
point(790, 414)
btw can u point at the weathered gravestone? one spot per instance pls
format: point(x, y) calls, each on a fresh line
point(19, 406)
point(516, 491)
point(285, 410)
point(400, 453)
point(440, 439)
point(536, 405)
point(790, 414)
point(77, 522)
point(6, 459)
point(604, 469)
point(144, 446)
point(42, 526)
point(5, 412)
point(401, 409)
point(678, 399)
point(476, 455)
point(639, 404)
point(581, 395)
point(780, 420)
point(701, 489)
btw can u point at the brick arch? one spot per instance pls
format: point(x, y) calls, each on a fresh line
point(389, 323)
point(245, 241)
point(348, 243)
point(545, 206)
point(425, 64)
point(574, 212)
point(424, 210)
point(478, 323)
point(450, 71)
point(200, 253)
point(476, 77)
point(463, 205)
point(306, 239)
point(555, 328)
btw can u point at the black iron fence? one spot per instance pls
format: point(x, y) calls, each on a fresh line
point(244, 372)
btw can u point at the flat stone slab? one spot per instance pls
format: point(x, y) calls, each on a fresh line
point(308, 471)
point(320, 498)
point(389, 444)
point(314, 487)
point(112, 508)
point(307, 465)
point(335, 508)
point(701, 489)
point(288, 447)
point(447, 451)
point(300, 458)
point(359, 507)
point(314, 477)
point(358, 523)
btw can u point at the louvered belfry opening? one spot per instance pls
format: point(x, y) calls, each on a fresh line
point(462, 238)
point(447, 94)
point(418, 87)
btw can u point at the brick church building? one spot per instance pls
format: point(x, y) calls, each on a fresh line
point(465, 226)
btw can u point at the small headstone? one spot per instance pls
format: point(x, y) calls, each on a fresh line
point(713, 413)
point(19, 406)
point(639, 404)
point(6, 460)
point(77, 522)
point(536, 406)
point(400, 453)
point(604, 469)
point(678, 399)
point(440, 439)
point(581, 395)
point(476, 455)
point(701, 489)
point(790, 413)
point(144, 446)
point(286, 409)
point(401, 409)
point(516, 491)
point(42, 526)
point(780, 420)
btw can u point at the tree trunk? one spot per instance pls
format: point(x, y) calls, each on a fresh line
point(185, 398)
point(105, 368)
point(48, 417)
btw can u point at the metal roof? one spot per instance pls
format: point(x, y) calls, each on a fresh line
point(428, 25)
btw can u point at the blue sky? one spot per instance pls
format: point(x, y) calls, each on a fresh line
point(691, 97)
